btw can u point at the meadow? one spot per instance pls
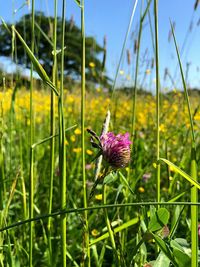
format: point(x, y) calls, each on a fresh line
point(144, 213)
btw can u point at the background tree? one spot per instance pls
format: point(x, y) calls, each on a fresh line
point(43, 47)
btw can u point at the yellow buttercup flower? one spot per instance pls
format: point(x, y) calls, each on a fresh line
point(98, 197)
point(92, 64)
point(77, 131)
point(141, 189)
point(73, 138)
point(77, 149)
point(89, 152)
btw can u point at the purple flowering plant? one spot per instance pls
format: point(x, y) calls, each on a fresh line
point(115, 149)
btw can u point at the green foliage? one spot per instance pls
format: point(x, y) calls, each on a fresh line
point(159, 219)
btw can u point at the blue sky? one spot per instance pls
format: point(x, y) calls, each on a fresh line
point(111, 18)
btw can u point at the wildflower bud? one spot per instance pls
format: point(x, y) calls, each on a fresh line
point(128, 56)
point(135, 46)
point(116, 149)
point(71, 23)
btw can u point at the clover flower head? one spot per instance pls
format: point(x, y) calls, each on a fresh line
point(116, 149)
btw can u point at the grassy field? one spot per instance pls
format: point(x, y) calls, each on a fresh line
point(136, 183)
point(144, 210)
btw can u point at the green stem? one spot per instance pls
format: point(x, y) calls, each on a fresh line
point(194, 192)
point(123, 48)
point(62, 151)
point(110, 231)
point(52, 130)
point(135, 80)
point(86, 230)
point(108, 206)
point(31, 178)
point(31, 193)
point(194, 213)
point(157, 101)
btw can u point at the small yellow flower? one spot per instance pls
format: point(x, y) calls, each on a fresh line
point(77, 149)
point(66, 142)
point(121, 72)
point(77, 131)
point(89, 152)
point(95, 232)
point(73, 138)
point(148, 71)
point(141, 189)
point(92, 64)
point(98, 197)
point(162, 128)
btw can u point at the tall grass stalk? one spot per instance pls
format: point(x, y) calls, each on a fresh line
point(194, 190)
point(52, 129)
point(109, 228)
point(142, 17)
point(157, 101)
point(123, 47)
point(31, 181)
point(86, 230)
point(62, 150)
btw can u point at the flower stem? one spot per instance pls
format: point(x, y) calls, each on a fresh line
point(31, 178)
point(52, 131)
point(157, 101)
point(110, 231)
point(62, 151)
point(86, 230)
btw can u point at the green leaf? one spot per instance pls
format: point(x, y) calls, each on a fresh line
point(165, 248)
point(124, 181)
point(181, 257)
point(5, 25)
point(162, 260)
point(116, 230)
point(110, 178)
point(175, 219)
point(38, 67)
point(158, 220)
point(181, 172)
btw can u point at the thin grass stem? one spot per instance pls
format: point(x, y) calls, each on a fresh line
point(62, 150)
point(52, 129)
point(157, 101)
point(194, 191)
point(86, 230)
point(123, 47)
point(31, 178)
point(110, 231)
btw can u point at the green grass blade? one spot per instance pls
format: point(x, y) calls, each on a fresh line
point(165, 248)
point(116, 230)
point(194, 193)
point(45, 35)
point(157, 100)
point(38, 67)
point(182, 173)
point(83, 94)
